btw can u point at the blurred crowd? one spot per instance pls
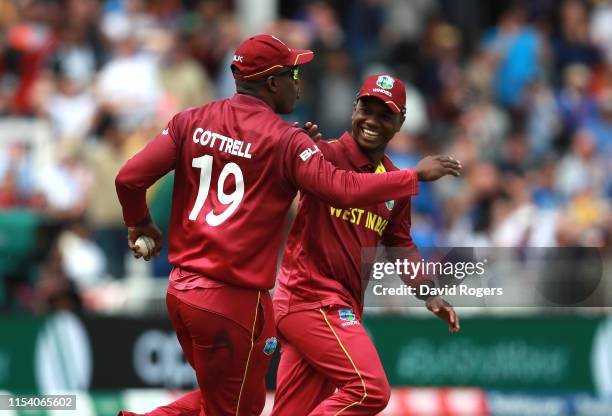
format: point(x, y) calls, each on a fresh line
point(520, 92)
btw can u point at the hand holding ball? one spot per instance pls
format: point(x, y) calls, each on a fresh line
point(144, 245)
point(144, 240)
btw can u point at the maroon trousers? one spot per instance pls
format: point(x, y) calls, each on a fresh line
point(230, 360)
point(328, 366)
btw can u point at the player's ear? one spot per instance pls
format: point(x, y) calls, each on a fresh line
point(272, 84)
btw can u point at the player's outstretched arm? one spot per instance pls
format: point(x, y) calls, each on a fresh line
point(430, 168)
point(304, 166)
point(307, 169)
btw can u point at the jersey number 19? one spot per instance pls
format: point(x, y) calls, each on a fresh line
point(204, 163)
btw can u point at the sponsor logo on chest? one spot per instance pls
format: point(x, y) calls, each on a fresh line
point(372, 221)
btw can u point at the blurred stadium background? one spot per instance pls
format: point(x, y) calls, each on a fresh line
point(520, 92)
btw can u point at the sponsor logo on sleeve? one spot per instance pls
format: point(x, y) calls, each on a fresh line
point(306, 154)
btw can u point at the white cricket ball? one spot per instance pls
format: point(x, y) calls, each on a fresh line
point(145, 245)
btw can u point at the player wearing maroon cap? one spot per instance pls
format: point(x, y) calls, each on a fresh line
point(329, 365)
point(238, 166)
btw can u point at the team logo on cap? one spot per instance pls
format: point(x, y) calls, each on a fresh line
point(385, 81)
point(390, 204)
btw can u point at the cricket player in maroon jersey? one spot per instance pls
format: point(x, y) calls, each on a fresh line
point(238, 166)
point(329, 365)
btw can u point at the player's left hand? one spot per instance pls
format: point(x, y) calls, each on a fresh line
point(443, 310)
point(312, 130)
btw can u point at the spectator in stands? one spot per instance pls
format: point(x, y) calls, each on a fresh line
point(129, 85)
point(572, 44)
point(516, 47)
point(184, 81)
point(575, 102)
point(65, 183)
point(601, 28)
point(542, 125)
point(335, 92)
point(29, 43)
point(581, 169)
point(69, 105)
point(599, 124)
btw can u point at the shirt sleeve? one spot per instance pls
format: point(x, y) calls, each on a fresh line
point(305, 168)
point(141, 171)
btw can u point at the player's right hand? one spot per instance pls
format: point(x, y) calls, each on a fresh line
point(149, 229)
point(312, 130)
point(432, 168)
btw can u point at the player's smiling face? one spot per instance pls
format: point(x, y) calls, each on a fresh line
point(374, 124)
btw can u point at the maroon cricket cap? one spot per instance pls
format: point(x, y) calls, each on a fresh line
point(387, 88)
point(262, 55)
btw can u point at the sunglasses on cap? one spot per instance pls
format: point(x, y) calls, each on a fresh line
point(293, 71)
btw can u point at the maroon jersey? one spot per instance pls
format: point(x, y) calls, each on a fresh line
point(322, 260)
point(238, 166)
